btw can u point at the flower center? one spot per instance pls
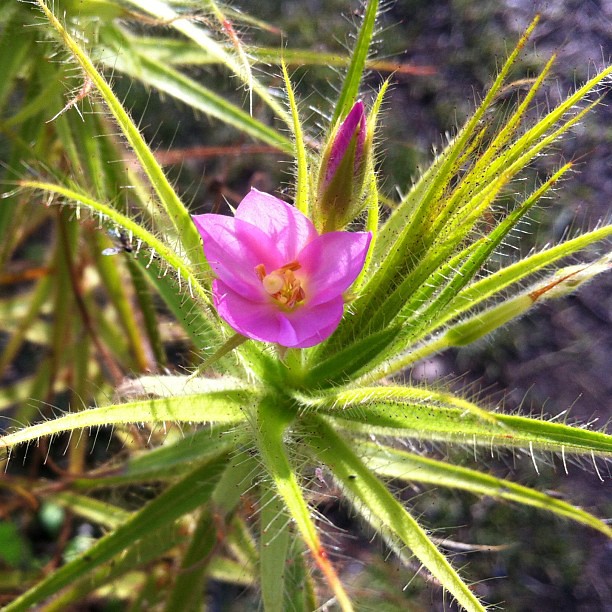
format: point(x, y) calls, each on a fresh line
point(282, 284)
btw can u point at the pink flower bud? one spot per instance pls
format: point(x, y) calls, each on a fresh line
point(348, 142)
point(342, 172)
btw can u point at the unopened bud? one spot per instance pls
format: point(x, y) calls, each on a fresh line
point(342, 172)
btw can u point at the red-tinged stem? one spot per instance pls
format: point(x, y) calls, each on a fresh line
point(322, 560)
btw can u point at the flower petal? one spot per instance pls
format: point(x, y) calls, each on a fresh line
point(301, 328)
point(254, 320)
point(312, 325)
point(233, 249)
point(286, 226)
point(331, 263)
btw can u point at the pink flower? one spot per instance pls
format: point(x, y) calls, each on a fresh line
point(278, 280)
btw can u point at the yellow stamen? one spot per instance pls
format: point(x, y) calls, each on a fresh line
point(273, 283)
point(282, 285)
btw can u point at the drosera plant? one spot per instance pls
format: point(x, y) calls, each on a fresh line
point(286, 387)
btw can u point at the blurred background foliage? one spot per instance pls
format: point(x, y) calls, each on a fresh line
point(444, 54)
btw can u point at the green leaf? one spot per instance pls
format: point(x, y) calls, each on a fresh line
point(560, 284)
point(408, 219)
point(14, 548)
point(174, 385)
point(38, 299)
point(216, 407)
point(299, 584)
point(421, 395)
point(475, 256)
point(188, 588)
point(176, 52)
point(274, 416)
point(201, 329)
point(499, 281)
point(234, 572)
point(394, 463)
point(241, 543)
point(467, 202)
point(446, 417)
point(340, 367)
point(168, 80)
point(378, 506)
point(185, 496)
point(487, 320)
point(113, 278)
point(441, 214)
point(14, 51)
point(471, 297)
point(352, 80)
point(190, 239)
point(139, 554)
point(164, 13)
point(175, 458)
point(101, 513)
point(158, 247)
point(237, 480)
point(274, 546)
point(371, 187)
point(302, 186)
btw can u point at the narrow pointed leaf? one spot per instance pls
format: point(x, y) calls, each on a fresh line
point(274, 545)
point(188, 588)
point(302, 187)
point(394, 463)
point(106, 212)
point(414, 206)
point(220, 407)
point(273, 418)
point(352, 80)
point(168, 198)
point(499, 281)
point(174, 502)
point(101, 513)
point(471, 297)
point(140, 554)
point(377, 505)
point(164, 12)
point(174, 83)
point(382, 409)
point(169, 461)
